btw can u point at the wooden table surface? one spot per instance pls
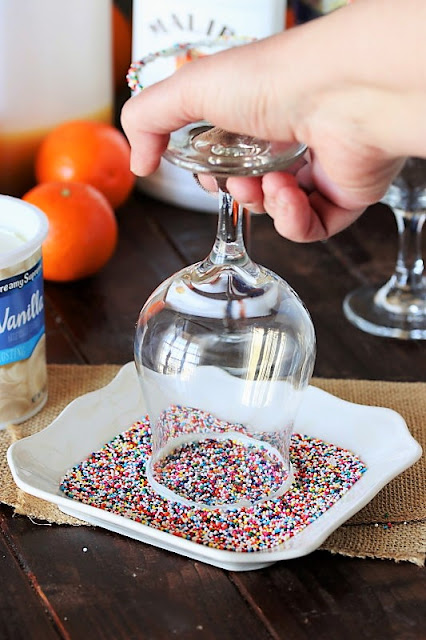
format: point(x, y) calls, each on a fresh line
point(123, 589)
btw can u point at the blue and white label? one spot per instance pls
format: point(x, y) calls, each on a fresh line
point(21, 314)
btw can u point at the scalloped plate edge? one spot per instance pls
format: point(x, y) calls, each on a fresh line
point(120, 403)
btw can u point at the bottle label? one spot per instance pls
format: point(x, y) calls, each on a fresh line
point(157, 25)
point(21, 314)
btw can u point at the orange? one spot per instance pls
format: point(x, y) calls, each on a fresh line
point(290, 18)
point(87, 151)
point(82, 229)
point(121, 46)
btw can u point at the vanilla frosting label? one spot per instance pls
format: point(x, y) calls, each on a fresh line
point(21, 314)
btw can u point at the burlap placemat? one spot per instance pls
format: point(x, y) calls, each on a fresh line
point(392, 525)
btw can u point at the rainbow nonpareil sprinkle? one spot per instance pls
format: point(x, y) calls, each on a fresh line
point(220, 472)
point(113, 479)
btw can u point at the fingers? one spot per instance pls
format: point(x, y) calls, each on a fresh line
point(331, 217)
point(301, 217)
point(297, 216)
point(148, 140)
point(356, 182)
point(346, 173)
point(247, 191)
point(290, 208)
point(201, 91)
point(146, 151)
point(207, 182)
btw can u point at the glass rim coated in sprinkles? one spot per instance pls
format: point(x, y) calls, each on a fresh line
point(176, 50)
point(113, 479)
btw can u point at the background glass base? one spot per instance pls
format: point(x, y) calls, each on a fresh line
point(362, 311)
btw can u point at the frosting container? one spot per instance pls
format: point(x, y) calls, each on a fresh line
point(23, 371)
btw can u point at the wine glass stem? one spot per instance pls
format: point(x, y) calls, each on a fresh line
point(409, 265)
point(229, 245)
point(247, 228)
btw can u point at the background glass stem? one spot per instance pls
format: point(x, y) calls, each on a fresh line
point(409, 265)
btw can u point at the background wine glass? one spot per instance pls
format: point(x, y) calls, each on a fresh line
point(397, 309)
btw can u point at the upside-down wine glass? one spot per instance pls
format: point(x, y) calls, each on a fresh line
point(397, 309)
point(224, 348)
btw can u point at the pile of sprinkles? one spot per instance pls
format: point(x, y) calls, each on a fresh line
point(113, 479)
point(220, 472)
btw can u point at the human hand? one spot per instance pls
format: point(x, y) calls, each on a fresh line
point(297, 86)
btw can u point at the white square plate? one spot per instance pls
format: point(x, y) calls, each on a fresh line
point(379, 436)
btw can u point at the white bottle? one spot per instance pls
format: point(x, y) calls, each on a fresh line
point(55, 65)
point(157, 25)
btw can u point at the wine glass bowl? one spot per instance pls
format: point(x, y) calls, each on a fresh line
point(231, 349)
point(224, 348)
point(397, 309)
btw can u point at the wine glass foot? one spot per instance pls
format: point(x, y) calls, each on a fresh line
point(362, 309)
